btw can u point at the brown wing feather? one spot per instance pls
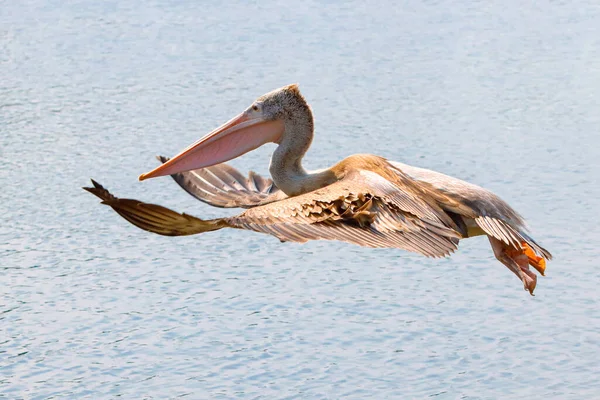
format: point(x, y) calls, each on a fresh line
point(363, 218)
point(363, 208)
point(224, 186)
point(155, 218)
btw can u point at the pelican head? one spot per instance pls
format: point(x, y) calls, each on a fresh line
point(264, 121)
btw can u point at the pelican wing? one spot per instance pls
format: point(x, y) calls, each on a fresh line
point(155, 218)
point(224, 186)
point(363, 208)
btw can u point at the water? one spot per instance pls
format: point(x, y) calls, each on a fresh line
point(502, 94)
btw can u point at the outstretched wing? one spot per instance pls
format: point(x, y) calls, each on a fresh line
point(155, 218)
point(363, 208)
point(224, 186)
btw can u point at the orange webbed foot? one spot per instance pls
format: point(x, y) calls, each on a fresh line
point(536, 262)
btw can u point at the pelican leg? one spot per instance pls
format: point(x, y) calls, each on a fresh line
point(516, 261)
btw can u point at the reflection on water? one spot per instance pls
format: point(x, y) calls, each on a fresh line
point(502, 95)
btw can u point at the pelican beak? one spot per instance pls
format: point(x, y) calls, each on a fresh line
point(238, 136)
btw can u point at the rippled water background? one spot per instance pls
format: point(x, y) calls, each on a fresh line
point(503, 94)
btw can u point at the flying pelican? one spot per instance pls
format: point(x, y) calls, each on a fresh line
point(363, 199)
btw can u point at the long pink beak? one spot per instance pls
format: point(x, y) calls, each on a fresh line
point(238, 136)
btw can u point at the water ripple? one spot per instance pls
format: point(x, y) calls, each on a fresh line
point(90, 307)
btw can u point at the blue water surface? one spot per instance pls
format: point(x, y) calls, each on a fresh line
point(503, 94)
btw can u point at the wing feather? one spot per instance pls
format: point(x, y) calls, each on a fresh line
point(155, 218)
point(362, 208)
point(223, 186)
point(501, 230)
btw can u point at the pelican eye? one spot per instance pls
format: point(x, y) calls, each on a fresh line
point(255, 107)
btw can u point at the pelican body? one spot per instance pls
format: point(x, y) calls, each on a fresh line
point(363, 199)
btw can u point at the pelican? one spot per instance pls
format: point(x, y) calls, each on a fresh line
point(363, 199)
